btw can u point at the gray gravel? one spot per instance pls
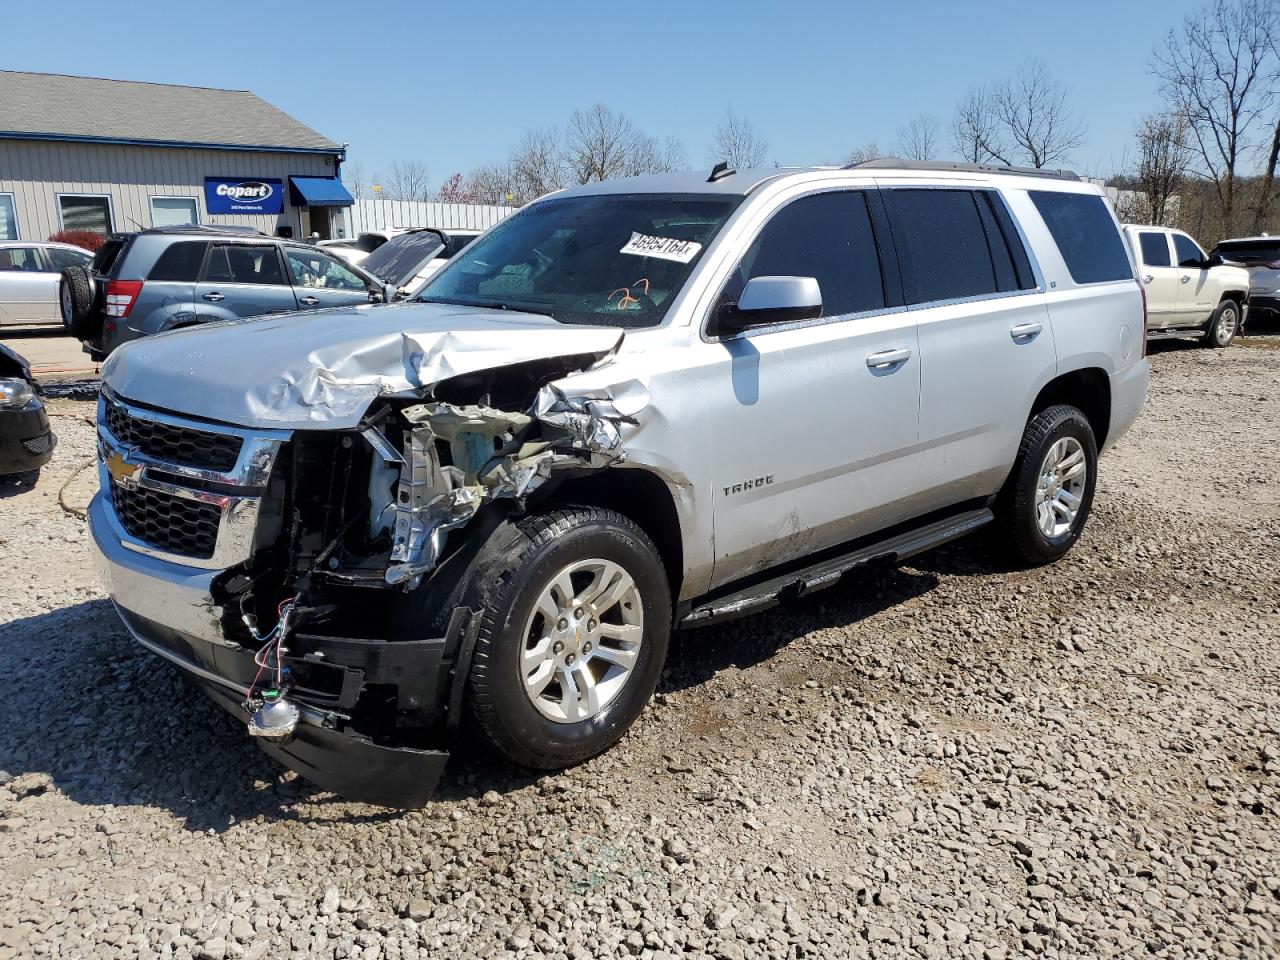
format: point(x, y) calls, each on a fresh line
point(949, 760)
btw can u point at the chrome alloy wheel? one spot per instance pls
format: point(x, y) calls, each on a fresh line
point(66, 302)
point(1061, 487)
point(1226, 326)
point(582, 641)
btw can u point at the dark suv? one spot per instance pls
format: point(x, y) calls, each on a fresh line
point(171, 277)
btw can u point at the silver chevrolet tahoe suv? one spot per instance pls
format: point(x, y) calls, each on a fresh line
point(632, 407)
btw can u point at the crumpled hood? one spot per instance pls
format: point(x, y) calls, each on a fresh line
point(325, 368)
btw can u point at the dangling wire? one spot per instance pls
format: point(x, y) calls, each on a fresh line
point(269, 651)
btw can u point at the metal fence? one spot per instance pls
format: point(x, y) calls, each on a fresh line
point(391, 214)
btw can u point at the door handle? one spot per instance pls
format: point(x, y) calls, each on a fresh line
point(888, 358)
point(1025, 331)
point(1148, 278)
point(215, 296)
point(310, 301)
point(1186, 279)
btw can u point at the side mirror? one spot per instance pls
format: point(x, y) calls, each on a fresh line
point(766, 300)
point(1212, 260)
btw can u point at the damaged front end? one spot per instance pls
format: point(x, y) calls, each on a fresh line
point(459, 458)
point(324, 635)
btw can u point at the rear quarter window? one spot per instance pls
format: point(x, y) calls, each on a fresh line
point(1086, 235)
point(180, 263)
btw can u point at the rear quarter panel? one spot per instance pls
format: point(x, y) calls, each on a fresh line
point(1094, 325)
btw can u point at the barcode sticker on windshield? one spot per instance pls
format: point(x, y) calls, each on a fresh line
point(664, 248)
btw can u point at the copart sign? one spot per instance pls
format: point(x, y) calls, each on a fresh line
point(243, 195)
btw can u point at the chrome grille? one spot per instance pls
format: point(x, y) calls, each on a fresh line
point(179, 489)
point(185, 446)
point(187, 528)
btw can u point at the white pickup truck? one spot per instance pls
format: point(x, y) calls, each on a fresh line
point(1188, 293)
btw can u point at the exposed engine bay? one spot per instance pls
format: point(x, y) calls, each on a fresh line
point(353, 522)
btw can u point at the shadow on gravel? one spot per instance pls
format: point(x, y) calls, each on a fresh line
point(698, 655)
point(11, 487)
point(111, 724)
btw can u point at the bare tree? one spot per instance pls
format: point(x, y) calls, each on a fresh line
point(737, 143)
point(601, 144)
point(409, 180)
point(1032, 109)
point(919, 139)
point(976, 130)
point(868, 151)
point(1164, 154)
point(1218, 69)
point(494, 185)
point(538, 164)
point(354, 178)
point(649, 156)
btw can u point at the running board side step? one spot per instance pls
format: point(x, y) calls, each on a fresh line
point(826, 572)
point(1175, 333)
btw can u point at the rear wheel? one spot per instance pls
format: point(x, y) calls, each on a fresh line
point(1049, 494)
point(1223, 326)
point(574, 634)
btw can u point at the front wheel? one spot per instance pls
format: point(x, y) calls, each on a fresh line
point(1223, 326)
point(574, 634)
point(1047, 499)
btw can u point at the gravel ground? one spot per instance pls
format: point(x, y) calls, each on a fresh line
point(952, 759)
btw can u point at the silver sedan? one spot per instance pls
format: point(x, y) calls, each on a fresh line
point(29, 276)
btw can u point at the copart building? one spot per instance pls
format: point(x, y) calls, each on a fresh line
point(80, 153)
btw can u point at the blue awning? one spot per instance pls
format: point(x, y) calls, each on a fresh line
point(319, 192)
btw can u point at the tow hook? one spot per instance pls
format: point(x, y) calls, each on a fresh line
point(274, 717)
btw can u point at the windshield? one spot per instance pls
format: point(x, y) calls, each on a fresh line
point(1251, 252)
point(616, 259)
point(398, 259)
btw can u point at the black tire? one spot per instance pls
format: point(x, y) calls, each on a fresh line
point(75, 299)
point(1018, 508)
point(1223, 325)
point(504, 580)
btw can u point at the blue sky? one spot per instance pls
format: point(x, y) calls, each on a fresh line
point(454, 84)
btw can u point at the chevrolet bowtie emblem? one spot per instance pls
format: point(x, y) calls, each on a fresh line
point(122, 471)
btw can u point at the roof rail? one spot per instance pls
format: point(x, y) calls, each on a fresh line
point(894, 163)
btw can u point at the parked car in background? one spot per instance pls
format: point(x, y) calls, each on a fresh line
point(632, 406)
point(355, 249)
point(412, 257)
point(171, 277)
point(1189, 294)
point(29, 275)
point(1261, 257)
point(26, 440)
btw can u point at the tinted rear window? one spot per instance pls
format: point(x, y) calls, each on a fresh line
point(106, 256)
point(180, 263)
point(233, 263)
point(1155, 249)
point(942, 245)
point(1086, 235)
point(1249, 251)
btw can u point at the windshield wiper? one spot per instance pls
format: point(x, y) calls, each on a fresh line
point(523, 306)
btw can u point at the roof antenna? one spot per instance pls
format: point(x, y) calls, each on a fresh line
point(720, 171)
